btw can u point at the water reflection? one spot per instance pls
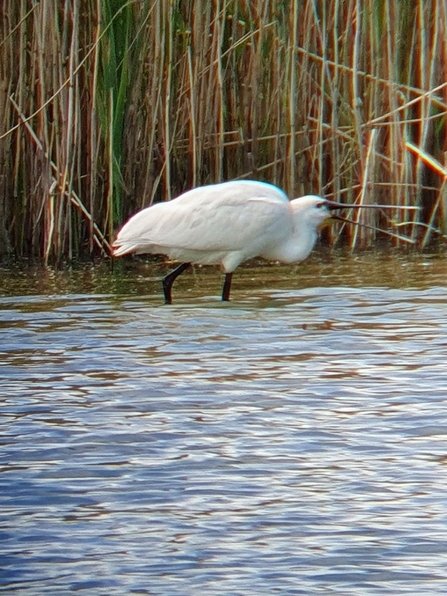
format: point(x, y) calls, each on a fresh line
point(292, 441)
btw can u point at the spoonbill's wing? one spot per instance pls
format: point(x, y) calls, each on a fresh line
point(213, 218)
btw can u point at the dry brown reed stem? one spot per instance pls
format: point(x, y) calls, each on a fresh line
point(364, 193)
point(434, 165)
point(98, 236)
point(427, 159)
point(68, 80)
point(139, 101)
point(292, 92)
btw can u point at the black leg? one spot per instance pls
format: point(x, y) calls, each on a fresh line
point(169, 280)
point(227, 287)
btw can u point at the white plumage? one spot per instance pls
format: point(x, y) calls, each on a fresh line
point(226, 224)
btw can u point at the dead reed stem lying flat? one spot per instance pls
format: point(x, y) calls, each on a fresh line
point(128, 103)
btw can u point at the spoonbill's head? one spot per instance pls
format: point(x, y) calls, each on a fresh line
point(314, 211)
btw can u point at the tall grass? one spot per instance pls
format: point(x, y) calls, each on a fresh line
point(108, 105)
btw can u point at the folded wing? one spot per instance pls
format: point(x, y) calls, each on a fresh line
point(224, 217)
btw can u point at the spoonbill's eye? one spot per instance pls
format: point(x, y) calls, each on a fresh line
point(320, 205)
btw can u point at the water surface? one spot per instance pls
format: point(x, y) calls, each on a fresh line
point(292, 441)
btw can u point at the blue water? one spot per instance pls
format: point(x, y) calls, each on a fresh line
point(293, 441)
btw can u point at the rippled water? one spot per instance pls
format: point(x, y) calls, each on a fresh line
point(293, 441)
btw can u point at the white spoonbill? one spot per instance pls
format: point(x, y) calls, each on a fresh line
point(227, 224)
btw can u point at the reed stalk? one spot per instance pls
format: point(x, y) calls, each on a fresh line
point(107, 106)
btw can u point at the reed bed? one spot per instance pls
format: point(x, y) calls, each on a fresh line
point(107, 106)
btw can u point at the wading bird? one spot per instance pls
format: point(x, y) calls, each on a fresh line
point(227, 224)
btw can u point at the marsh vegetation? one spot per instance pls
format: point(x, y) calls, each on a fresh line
point(107, 106)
